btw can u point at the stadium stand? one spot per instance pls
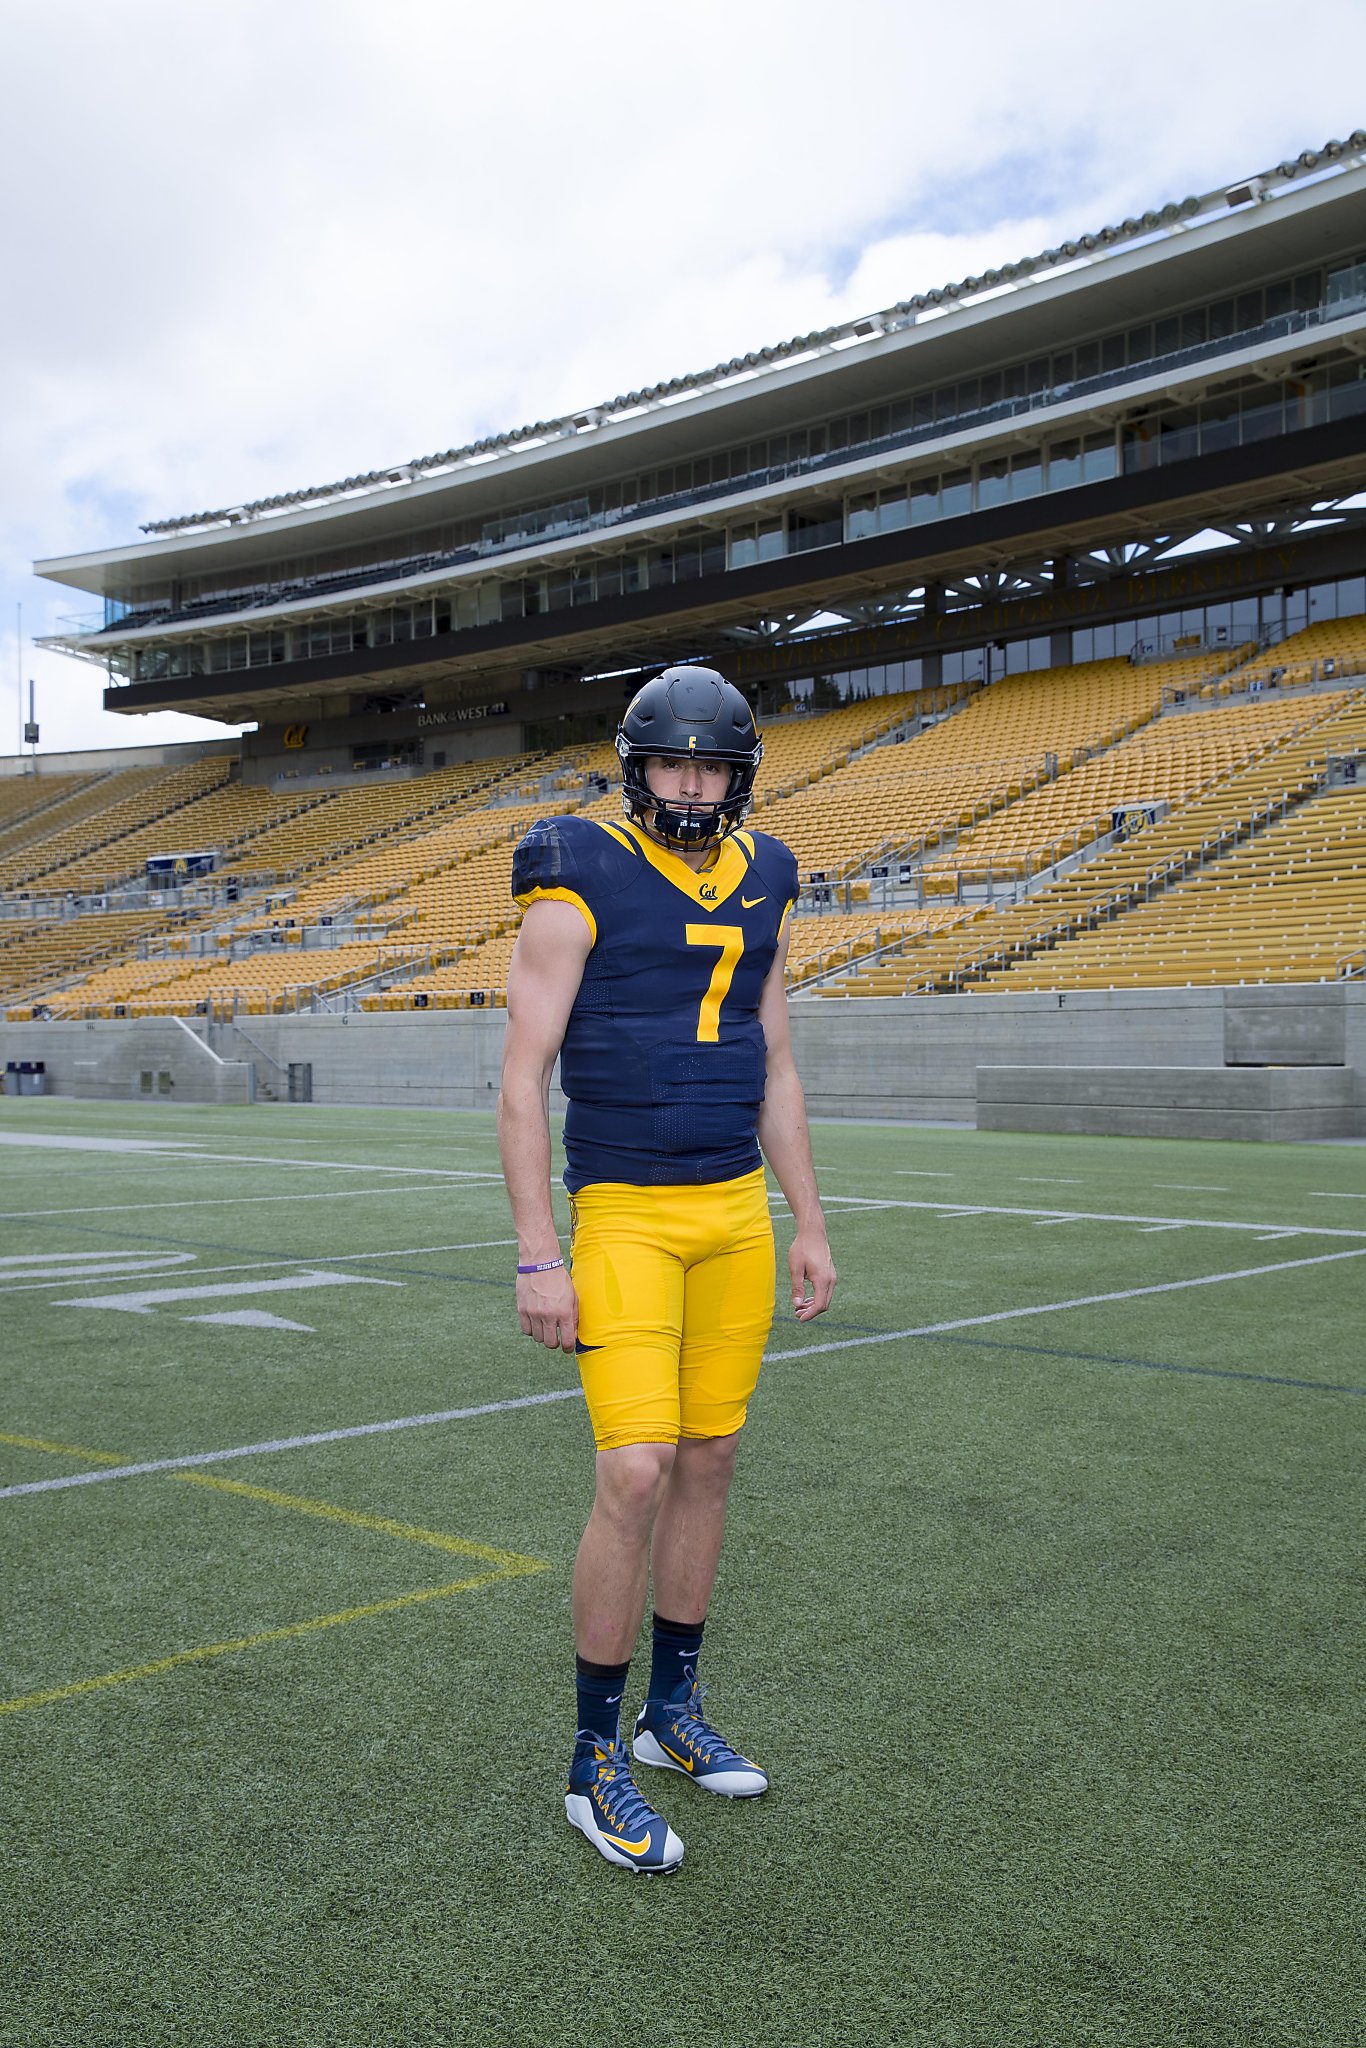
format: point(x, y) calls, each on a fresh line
point(397, 891)
point(1167, 763)
point(1011, 738)
point(1280, 895)
point(1329, 650)
point(74, 824)
point(27, 799)
point(141, 798)
point(347, 819)
point(37, 957)
point(1014, 946)
point(216, 822)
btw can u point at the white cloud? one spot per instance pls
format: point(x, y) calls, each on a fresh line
point(265, 243)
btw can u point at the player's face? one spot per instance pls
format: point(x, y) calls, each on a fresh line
point(688, 779)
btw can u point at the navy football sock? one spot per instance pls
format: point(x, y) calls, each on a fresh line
point(673, 1662)
point(600, 1687)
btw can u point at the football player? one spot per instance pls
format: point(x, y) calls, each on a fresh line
point(650, 962)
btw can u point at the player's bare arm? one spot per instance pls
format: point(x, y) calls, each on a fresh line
point(785, 1139)
point(544, 977)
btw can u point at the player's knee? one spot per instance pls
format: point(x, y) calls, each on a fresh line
point(632, 1479)
point(710, 1460)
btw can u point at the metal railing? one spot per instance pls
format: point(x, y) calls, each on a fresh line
point(1105, 909)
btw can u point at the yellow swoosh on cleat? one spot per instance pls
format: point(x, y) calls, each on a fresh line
point(684, 1762)
point(631, 1848)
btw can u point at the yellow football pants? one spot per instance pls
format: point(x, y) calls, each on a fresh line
point(675, 1288)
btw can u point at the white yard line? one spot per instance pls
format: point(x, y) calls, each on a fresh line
point(572, 1393)
point(874, 1202)
point(345, 1166)
point(1048, 1308)
point(421, 1251)
point(1336, 1195)
point(286, 1443)
point(38, 1142)
point(1189, 1187)
point(223, 1202)
point(83, 1259)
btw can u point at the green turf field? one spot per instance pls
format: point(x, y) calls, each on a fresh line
point(1041, 1603)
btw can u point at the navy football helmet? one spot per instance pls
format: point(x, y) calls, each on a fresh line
point(688, 713)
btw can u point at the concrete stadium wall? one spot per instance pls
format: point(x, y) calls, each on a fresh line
point(898, 1057)
point(108, 1062)
point(94, 760)
point(1257, 1104)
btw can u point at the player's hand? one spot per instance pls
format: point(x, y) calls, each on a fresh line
point(548, 1308)
point(813, 1274)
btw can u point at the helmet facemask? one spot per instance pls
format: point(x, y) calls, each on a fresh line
point(686, 827)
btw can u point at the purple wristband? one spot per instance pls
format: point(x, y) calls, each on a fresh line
point(545, 1266)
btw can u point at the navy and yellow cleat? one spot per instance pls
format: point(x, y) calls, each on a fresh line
point(672, 1735)
point(602, 1802)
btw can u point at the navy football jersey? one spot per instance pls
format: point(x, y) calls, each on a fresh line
point(663, 1057)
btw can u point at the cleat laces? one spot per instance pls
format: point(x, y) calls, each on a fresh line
point(616, 1794)
point(688, 1725)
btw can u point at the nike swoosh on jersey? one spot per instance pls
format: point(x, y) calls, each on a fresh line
point(748, 902)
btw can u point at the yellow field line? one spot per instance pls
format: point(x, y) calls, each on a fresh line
point(505, 1564)
point(269, 1635)
point(503, 1560)
point(39, 1443)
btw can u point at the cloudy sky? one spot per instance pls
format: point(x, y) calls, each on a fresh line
point(248, 245)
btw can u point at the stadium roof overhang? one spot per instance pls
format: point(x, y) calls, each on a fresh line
point(1316, 463)
point(1258, 228)
point(1099, 409)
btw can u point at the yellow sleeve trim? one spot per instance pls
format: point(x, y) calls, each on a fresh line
point(562, 896)
point(783, 920)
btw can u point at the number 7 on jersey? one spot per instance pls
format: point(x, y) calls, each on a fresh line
point(729, 941)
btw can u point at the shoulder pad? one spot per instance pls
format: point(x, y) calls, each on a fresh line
point(776, 862)
point(573, 855)
point(545, 858)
